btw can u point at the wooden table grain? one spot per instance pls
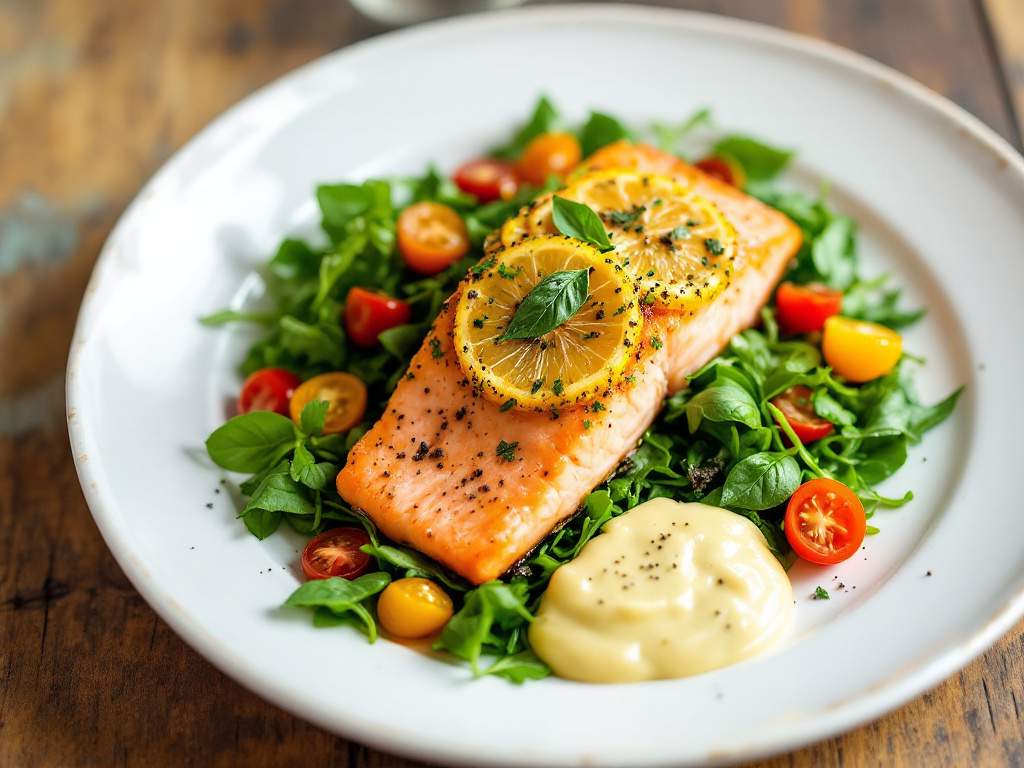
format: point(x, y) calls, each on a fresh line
point(94, 96)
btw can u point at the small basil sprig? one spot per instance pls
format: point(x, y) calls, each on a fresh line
point(552, 301)
point(579, 221)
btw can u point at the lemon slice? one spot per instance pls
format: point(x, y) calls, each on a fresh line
point(580, 360)
point(677, 245)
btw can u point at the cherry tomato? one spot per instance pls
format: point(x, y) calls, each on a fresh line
point(344, 393)
point(488, 179)
point(860, 351)
point(412, 608)
point(724, 169)
point(268, 389)
point(336, 553)
point(795, 404)
point(370, 313)
point(805, 308)
point(825, 521)
point(431, 237)
point(550, 154)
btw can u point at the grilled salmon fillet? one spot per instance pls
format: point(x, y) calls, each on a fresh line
point(430, 473)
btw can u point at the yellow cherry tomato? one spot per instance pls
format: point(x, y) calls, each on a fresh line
point(412, 608)
point(345, 395)
point(860, 351)
point(550, 154)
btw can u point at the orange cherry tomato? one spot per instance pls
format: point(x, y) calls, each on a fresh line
point(345, 395)
point(805, 308)
point(336, 553)
point(412, 608)
point(825, 521)
point(370, 313)
point(431, 237)
point(488, 179)
point(795, 404)
point(268, 389)
point(860, 351)
point(724, 169)
point(550, 154)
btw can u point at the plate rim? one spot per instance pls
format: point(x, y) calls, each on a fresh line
point(923, 673)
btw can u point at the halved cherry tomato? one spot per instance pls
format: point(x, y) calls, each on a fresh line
point(825, 521)
point(336, 553)
point(550, 154)
point(860, 351)
point(724, 169)
point(268, 389)
point(370, 313)
point(431, 237)
point(805, 308)
point(488, 179)
point(345, 395)
point(795, 404)
point(411, 608)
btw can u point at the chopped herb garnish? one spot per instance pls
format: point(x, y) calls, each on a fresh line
point(680, 233)
point(591, 335)
point(507, 272)
point(507, 405)
point(598, 406)
point(820, 594)
point(656, 342)
point(622, 218)
point(435, 349)
point(478, 323)
point(483, 266)
point(586, 424)
point(536, 386)
point(557, 387)
point(716, 248)
point(507, 451)
point(631, 379)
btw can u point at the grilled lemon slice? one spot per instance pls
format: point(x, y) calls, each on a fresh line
point(677, 245)
point(581, 359)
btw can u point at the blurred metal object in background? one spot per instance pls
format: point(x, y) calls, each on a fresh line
point(397, 13)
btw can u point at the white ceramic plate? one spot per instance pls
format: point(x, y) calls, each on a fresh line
point(941, 202)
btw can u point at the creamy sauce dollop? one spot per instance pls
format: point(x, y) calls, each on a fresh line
point(668, 590)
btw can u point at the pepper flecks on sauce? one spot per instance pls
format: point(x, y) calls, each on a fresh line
point(668, 590)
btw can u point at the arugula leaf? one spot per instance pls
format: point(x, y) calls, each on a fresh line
point(579, 221)
point(834, 253)
point(493, 603)
point(759, 161)
point(550, 303)
point(761, 481)
point(250, 442)
point(341, 596)
point(519, 667)
point(414, 564)
point(599, 131)
point(543, 120)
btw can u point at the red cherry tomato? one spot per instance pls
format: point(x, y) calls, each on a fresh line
point(370, 313)
point(488, 179)
point(795, 404)
point(805, 308)
point(268, 389)
point(336, 553)
point(723, 169)
point(825, 521)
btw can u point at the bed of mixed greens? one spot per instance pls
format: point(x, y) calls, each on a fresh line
point(717, 441)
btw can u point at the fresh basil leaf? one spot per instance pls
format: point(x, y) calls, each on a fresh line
point(882, 458)
point(760, 161)
point(544, 120)
point(313, 417)
point(599, 131)
point(723, 402)
point(415, 564)
point(342, 596)
point(340, 204)
point(519, 667)
point(261, 522)
point(252, 441)
point(761, 481)
point(552, 301)
point(578, 220)
point(280, 493)
point(312, 474)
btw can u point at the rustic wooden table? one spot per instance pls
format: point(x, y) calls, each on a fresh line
point(94, 96)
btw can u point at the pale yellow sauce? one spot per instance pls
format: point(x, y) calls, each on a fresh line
point(668, 590)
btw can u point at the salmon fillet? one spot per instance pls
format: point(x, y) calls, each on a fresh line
point(429, 473)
